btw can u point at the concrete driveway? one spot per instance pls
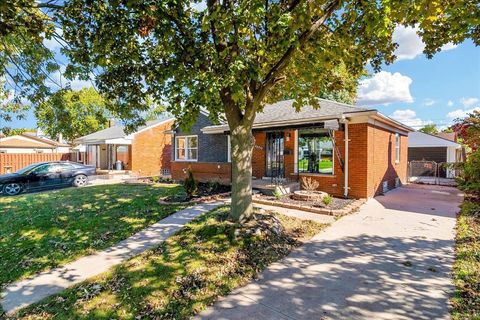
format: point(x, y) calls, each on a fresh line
point(391, 260)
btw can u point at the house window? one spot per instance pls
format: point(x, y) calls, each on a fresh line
point(186, 148)
point(315, 152)
point(397, 148)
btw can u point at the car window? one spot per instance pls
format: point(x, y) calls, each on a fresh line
point(41, 169)
point(28, 168)
point(63, 167)
point(59, 167)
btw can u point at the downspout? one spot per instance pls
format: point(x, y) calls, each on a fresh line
point(345, 166)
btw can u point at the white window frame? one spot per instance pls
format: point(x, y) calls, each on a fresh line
point(186, 148)
point(229, 149)
point(397, 148)
point(297, 151)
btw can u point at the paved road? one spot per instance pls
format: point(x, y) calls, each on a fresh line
point(391, 260)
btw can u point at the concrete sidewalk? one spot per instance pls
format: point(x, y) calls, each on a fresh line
point(391, 260)
point(23, 293)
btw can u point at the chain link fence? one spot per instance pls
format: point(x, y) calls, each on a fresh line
point(431, 172)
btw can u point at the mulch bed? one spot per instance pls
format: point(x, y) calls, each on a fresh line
point(336, 204)
point(338, 207)
point(206, 192)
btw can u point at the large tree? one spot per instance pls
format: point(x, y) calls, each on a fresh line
point(72, 113)
point(232, 57)
point(468, 130)
point(429, 128)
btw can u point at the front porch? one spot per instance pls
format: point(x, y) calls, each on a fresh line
point(283, 156)
point(109, 157)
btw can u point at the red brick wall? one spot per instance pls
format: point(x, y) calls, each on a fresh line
point(371, 161)
point(152, 150)
point(357, 160)
point(381, 159)
point(203, 171)
point(258, 157)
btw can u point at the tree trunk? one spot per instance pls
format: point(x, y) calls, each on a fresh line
point(242, 142)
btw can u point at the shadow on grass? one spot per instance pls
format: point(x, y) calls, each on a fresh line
point(45, 230)
point(178, 278)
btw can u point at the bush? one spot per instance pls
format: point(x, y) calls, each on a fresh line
point(309, 184)
point(213, 186)
point(277, 194)
point(190, 184)
point(469, 179)
point(327, 199)
point(155, 179)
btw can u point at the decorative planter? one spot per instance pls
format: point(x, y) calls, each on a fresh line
point(305, 195)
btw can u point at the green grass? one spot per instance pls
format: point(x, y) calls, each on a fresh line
point(180, 277)
point(322, 165)
point(466, 269)
point(46, 230)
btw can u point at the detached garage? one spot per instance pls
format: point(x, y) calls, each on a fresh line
point(427, 147)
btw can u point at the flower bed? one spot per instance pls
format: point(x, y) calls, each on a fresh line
point(338, 207)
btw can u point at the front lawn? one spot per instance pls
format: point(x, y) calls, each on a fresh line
point(46, 230)
point(208, 258)
point(466, 269)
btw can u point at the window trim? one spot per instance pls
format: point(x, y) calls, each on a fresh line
point(186, 148)
point(320, 130)
point(397, 148)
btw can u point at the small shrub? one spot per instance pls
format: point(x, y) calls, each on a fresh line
point(469, 179)
point(213, 186)
point(277, 194)
point(156, 179)
point(327, 200)
point(190, 184)
point(309, 184)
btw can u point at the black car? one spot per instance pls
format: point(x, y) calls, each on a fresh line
point(45, 175)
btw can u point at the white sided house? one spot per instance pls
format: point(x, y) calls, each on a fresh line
point(30, 143)
point(427, 147)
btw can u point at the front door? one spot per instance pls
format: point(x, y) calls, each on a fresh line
point(275, 162)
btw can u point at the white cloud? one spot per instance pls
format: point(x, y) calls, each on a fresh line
point(448, 46)
point(429, 102)
point(54, 43)
point(409, 117)
point(459, 113)
point(199, 6)
point(469, 102)
point(410, 45)
point(450, 103)
point(384, 88)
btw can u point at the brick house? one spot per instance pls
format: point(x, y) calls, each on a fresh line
point(290, 145)
point(146, 152)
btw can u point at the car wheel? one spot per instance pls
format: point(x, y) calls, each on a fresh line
point(80, 180)
point(12, 189)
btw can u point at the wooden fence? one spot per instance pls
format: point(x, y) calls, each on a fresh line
point(11, 162)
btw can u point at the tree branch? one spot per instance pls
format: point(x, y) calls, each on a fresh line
point(280, 66)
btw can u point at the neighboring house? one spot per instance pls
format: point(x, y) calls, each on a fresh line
point(146, 152)
point(29, 142)
point(427, 147)
point(309, 143)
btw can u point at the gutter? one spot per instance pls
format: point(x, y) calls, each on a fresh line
point(345, 165)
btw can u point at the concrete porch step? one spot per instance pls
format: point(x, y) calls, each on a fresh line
point(268, 188)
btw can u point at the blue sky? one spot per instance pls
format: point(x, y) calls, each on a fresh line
point(414, 90)
point(417, 90)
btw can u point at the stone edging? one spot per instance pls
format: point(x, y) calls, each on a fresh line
point(331, 212)
point(204, 199)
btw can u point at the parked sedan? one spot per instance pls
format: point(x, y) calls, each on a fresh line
point(45, 175)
